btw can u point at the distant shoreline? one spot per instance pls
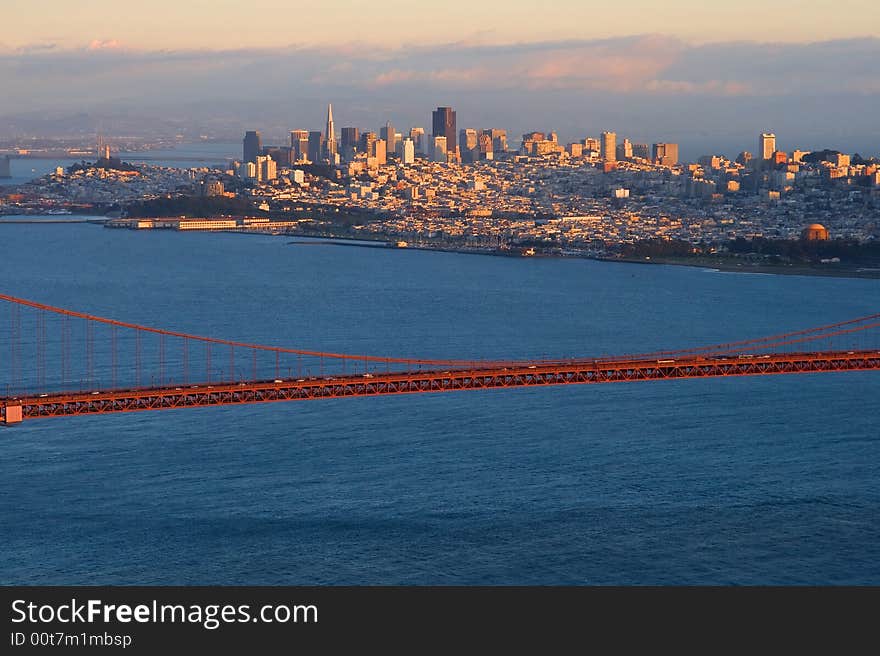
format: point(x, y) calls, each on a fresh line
point(389, 244)
point(771, 269)
point(724, 267)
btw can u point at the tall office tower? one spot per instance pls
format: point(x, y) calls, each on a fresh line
point(591, 143)
point(641, 150)
point(439, 152)
point(469, 145)
point(499, 139)
point(418, 137)
point(268, 169)
point(390, 136)
point(609, 146)
point(444, 126)
point(380, 151)
point(252, 145)
point(299, 145)
point(665, 154)
point(280, 155)
point(5, 168)
point(261, 167)
point(316, 145)
point(408, 152)
point(348, 144)
point(766, 145)
point(485, 146)
point(330, 136)
point(366, 143)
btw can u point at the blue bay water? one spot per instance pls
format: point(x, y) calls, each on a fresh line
point(749, 480)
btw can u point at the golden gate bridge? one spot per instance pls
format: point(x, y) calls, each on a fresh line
point(56, 362)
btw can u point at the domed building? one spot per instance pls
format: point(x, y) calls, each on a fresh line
point(815, 232)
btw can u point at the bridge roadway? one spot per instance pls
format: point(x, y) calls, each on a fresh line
point(575, 372)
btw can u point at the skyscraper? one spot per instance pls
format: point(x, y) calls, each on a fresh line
point(380, 151)
point(499, 139)
point(408, 152)
point(609, 146)
point(299, 144)
point(443, 124)
point(330, 136)
point(252, 145)
point(641, 150)
point(418, 137)
point(316, 145)
point(665, 154)
point(766, 145)
point(390, 136)
point(468, 144)
point(486, 146)
point(349, 142)
point(439, 151)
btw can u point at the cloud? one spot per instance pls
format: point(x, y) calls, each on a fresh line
point(109, 44)
point(35, 48)
point(649, 84)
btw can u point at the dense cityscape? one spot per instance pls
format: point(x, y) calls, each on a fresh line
point(474, 190)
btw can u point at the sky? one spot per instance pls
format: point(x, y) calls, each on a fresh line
point(225, 24)
point(708, 75)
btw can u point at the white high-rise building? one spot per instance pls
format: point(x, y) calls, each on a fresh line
point(438, 152)
point(418, 137)
point(766, 145)
point(408, 152)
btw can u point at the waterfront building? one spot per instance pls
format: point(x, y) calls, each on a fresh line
point(815, 232)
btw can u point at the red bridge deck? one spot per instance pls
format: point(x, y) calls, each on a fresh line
point(575, 372)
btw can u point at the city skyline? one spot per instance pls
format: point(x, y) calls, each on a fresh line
point(720, 93)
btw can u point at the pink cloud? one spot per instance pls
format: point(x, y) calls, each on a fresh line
point(107, 44)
